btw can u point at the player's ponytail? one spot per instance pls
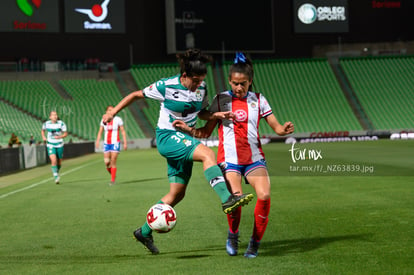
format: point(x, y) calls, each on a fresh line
point(193, 62)
point(242, 65)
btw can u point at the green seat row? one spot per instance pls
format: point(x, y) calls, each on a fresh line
point(384, 87)
point(305, 92)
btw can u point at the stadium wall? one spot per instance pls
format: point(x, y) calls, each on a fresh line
point(144, 40)
point(26, 156)
point(9, 160)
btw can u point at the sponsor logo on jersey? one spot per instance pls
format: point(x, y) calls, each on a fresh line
point(241, 115)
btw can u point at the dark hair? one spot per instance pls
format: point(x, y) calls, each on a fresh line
point(242, 65)
point(193, 62)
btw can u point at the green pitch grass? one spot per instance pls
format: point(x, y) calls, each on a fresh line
point(319, 224)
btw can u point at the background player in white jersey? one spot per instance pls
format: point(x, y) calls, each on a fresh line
point(240, 153)
point(53, 132)
point(183, 97)
point(112, 142)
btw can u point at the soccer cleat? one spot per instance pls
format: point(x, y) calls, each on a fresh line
point(232, 244)
point(57, 180)
point(148, 242)
point(252, 249)
point(111, 183)
point(235, 201)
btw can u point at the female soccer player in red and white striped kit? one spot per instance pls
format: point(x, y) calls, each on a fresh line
point(112, 142)
point(240, 152)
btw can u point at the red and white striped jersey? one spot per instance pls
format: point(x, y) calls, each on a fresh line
point(111, 135)
point(239, 140)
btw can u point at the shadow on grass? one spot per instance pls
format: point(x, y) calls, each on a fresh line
point(279, 248)
point(63, 180)
point(268, 248)
point(64, 259)
point(275, 248)
point(140, 180)
point(99, 180)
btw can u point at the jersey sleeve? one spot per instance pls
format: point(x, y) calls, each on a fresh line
point(265, 108)
point(101, 123)
point(205, 103)
point(120, 122)
point(155, 91)
point(214, 105)
point(64, 129)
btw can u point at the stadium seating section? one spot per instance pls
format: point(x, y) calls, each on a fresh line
point(385, 89)
point(90, 99)
point(82, 111)
point(306, 92)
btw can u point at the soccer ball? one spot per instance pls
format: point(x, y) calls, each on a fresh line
point(161, 218)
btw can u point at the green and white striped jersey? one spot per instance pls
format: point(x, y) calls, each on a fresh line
point(52, 130)
point(177, 102)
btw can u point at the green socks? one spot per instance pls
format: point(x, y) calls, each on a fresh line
point(216, 179)
point(146, 230)
point(55, 171)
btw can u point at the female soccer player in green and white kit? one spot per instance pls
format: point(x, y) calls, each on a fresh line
point(183, 97)
point(53, 131)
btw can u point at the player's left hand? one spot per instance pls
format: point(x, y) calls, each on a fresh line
point(106, 118)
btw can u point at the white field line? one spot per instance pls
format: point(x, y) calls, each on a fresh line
point(44, 181)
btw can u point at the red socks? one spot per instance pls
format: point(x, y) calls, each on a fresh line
point(261, 213)
point(108, 169)
point(234, 220)
point(113, 174)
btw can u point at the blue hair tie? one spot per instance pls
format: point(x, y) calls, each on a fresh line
point(240, 58)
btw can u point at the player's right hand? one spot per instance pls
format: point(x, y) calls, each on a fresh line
point(181, 125)
point(106, 118)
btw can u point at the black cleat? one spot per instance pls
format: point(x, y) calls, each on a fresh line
point(252, 249)
point(232, 244)
point(235, 201)
point(148, 242)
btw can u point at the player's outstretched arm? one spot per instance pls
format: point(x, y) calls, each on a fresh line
point(207, 115)
point(279, 129)
point(124, 138)
point(98, 138)
point(122, 104)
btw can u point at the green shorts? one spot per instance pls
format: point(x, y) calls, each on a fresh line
point(178, 149)
point(55, 151)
